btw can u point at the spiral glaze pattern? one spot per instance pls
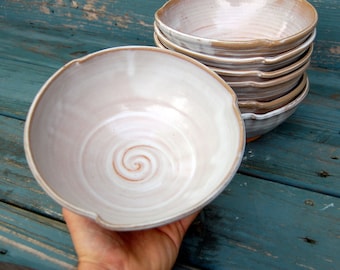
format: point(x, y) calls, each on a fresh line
point(136, 163)
point(138, 152)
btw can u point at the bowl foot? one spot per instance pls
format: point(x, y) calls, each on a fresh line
point(253, 139)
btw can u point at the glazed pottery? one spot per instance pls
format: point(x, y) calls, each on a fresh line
point(134, 137)
point(237, 28)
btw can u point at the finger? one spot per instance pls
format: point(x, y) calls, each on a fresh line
point(176, 230)
point(186, 222)
point(82, 229)
point(74, 221)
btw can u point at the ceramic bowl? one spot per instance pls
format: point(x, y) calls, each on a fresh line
point(237, 28)
point(265, 90)
point(263, 76)
point(259, 124)
point(258, 107)
point(262, 63)
point(117, 137)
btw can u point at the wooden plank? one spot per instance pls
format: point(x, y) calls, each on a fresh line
point(246, 199)
point(18, 187)
point(253, 224)
point(326, 53)
point(131, 22)
point(241, 229)
point(39, 41)
point(123, 20)
point(29, 239)
point(257, 224)
point(29, 56)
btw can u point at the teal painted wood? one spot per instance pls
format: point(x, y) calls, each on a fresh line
point(28, 57)
point(130, 22)
point(256, 224)
point(237, 202)
point(123, 21)
point(31, 240)
point(246, 227)
point(17, 185)
point(327, 46)
point(41, 40)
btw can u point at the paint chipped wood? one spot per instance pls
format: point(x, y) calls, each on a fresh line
point(30, 239)
point(282, 209)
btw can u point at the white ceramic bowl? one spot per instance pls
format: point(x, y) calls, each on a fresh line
point(266, 90)
point(259, 124)
point(258, 107)
point(134, 137)
point(263, 76)
point(237, 28)
point(262, 63)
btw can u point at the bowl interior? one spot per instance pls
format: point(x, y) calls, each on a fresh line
point(238, 21)
point(119, 138)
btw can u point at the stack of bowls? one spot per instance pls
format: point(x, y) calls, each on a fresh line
point(261, 48)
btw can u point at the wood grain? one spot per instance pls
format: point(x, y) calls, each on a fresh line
point(35, 241)
point(18, 187)
point(281, 211)
point(256, 224)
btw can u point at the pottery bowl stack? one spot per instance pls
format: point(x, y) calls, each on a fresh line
point(261, 48)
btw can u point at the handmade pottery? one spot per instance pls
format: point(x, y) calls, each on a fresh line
point(134, 137)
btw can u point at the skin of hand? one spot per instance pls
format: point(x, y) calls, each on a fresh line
point(100, 248)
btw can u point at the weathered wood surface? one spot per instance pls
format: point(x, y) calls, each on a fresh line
point(258, 224)
point(251, 225)
point(37, 37)
point(33, 240)
point(280, 212)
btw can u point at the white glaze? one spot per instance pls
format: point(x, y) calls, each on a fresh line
point(236, 62)
point(259, 124)
point(217, 27)
point(134, 137)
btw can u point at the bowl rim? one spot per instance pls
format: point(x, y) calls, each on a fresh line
point(267, 74)
point(291, 105)
point(235, 44)
point(163, 41)
point(254, 104)
point(272, 82)
point(147, 223)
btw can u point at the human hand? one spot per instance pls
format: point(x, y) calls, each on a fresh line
point(100, 248)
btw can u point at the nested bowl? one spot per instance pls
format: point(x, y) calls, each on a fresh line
point(259, 124)
point(117, 137)
point(237, 28)
point(260, 62)
point(265, 90)
point(256, 75)
point(258, 107)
